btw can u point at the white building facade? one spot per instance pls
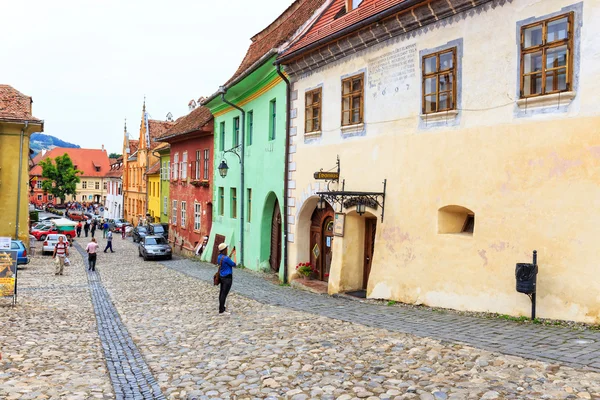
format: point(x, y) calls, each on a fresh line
point(113, 206)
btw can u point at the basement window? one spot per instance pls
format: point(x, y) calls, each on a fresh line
point(456, 219)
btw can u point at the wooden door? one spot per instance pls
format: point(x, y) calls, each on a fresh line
point(319, 257)
point(275, 258)
point(218, 240)
point(370, 229)
point(327, 236)
point(209, 218)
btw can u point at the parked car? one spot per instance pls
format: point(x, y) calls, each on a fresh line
point(76, 215)
point(41, 235)
point(139, 233)
point(51, 218)
point(155, 246)
point(22, 257)
point(41, 226)
point(50, 242)
point(158, 229)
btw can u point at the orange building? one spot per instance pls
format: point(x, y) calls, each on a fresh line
point(138, 156)
point(92, 182)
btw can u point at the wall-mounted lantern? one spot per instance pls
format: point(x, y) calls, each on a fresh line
point(321, 204)
point(360, 207)
point(223, 169)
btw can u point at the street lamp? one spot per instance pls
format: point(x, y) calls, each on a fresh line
point(360, 207)
point(223, 169)
point(321, 204)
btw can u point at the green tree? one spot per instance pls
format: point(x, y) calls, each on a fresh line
point(114, 155)
point(61, 177)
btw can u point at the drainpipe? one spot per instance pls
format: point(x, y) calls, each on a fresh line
point(157, 155)
point(223, 91)
point(22, 136)
point(286, 170)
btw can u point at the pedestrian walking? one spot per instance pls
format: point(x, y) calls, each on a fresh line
point(226, 265)
point(86, 228)
point(123, 231)
point(61, 251)
point(91, 249)
point(104, 229)
point(79, 226)
point(93, 228)
point(109, 237)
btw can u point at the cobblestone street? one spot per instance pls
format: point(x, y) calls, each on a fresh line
point(159, 323)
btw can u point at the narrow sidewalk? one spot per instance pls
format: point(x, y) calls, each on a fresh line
point(580, 349)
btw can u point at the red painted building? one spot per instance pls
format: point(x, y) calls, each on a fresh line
point(190, 191)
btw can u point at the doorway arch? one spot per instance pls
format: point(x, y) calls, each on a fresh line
point(271, 233)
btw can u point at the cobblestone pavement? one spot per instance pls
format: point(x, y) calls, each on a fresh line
point(266, 351)
point(49, 342)
point(130, 375)
point(259, 351)
point(547, 343)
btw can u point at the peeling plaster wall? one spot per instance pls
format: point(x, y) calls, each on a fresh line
point(531, 178)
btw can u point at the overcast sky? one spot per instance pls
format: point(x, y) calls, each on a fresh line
point(88, 63)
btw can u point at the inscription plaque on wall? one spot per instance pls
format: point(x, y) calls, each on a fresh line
point(389, 72)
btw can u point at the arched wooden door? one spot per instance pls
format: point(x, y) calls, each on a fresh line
point(275, 258)
point(321, 241)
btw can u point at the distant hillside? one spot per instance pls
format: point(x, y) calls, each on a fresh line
point(41, 141)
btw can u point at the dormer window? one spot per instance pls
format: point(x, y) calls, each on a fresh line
point(97, 169)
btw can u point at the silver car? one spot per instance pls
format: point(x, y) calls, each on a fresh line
point(50, 242)
point(154, 247)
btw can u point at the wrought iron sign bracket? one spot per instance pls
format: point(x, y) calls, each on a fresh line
point(234, 150)
point(347, 199)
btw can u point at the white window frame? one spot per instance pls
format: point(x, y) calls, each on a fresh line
point(183, 165)
point(96, 185)
point(84, 184)
point(38, 184)
point(174, 215)
point(175, 168)
point(105, 185)
point(206, 163)
point(183, 208)
point(197, 216)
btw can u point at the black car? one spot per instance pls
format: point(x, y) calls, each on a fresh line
point(155, 246)
point(158, 229)
point(139, 233)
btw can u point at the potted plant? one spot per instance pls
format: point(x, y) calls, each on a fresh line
point(305, 270)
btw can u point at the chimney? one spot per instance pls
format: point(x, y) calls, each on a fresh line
point(102, 147)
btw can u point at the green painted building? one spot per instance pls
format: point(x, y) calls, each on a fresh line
point(261, 92)
point(165, 172)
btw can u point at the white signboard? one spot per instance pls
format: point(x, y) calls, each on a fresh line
point(4, 243)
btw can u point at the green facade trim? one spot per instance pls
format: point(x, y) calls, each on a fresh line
point(264, 168)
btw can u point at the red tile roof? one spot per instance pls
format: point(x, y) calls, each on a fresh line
point(154, 169)
point(194, 121)
point(116, 168)
point(327, 24)
point(157, 129)
point(14, 105)
point(85, 160)
point(278, 32)
point(133, 146)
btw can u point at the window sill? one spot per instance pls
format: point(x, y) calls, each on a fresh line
point(440, 116)
point(353, 128)
point(312, 135)
point(547, 100)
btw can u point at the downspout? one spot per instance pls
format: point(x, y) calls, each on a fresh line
point(157, 155)
point(22, 137)
point(223, 91)
point(286, 170)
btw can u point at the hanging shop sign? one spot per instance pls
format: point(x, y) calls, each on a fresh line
point(328, 176)
point(339, 224)
point(8, 273)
